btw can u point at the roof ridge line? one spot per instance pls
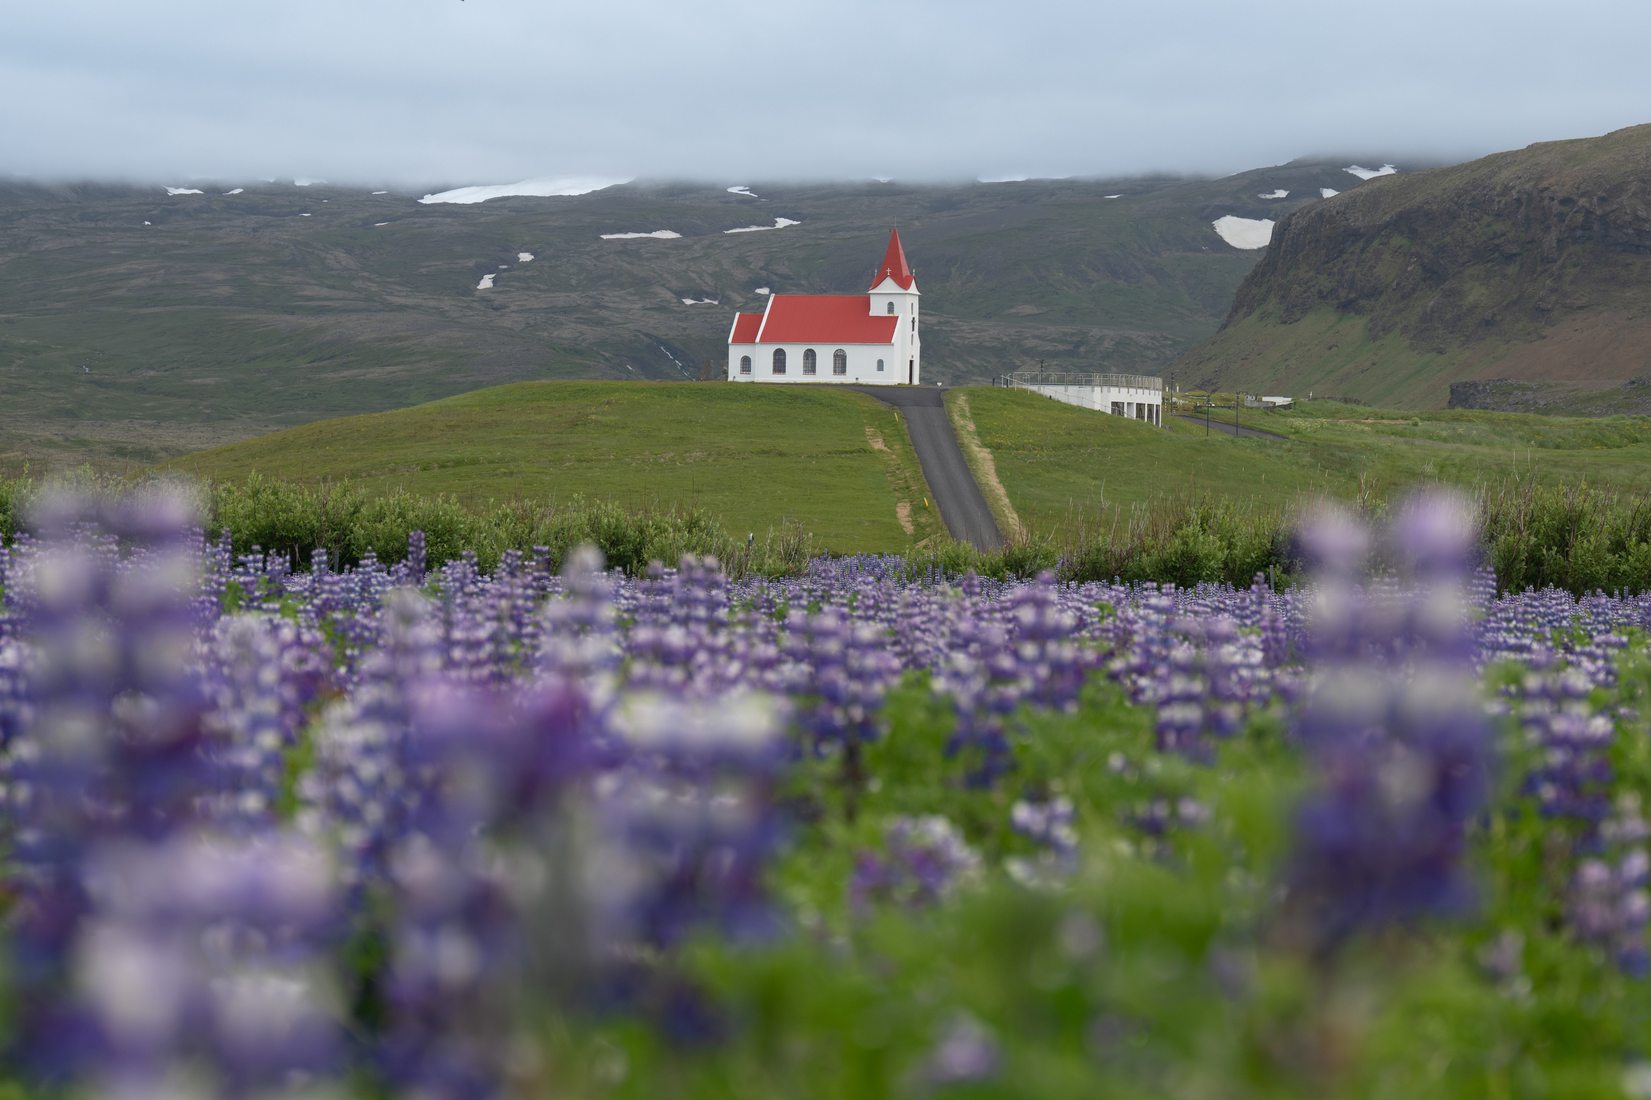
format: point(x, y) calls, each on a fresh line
point(765, 310)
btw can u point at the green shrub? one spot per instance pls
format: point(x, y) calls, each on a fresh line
point(1580, 539)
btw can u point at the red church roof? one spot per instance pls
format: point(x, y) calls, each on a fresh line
point(745, 328)
point(894, 265)
point(819, 319)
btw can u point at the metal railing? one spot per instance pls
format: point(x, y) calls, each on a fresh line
point(1079, 378)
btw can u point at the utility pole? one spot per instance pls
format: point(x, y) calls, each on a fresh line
point(1237, 397)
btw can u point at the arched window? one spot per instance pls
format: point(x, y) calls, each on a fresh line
point(808, 361)
point(745, 364)
point(839, 362)
point(779, 360)
point(879, 364)
point(891, 307)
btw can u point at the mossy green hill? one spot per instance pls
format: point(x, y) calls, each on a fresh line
point(835, 462)
point(839, 464)
point(1518, 281)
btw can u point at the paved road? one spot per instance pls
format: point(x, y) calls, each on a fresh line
point(955, 493)
point(1219, 425)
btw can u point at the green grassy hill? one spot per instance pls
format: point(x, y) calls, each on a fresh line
point(137, 325)
point(1517, 281)
point(1067, 470)
point(839, 464)
point(835, 462)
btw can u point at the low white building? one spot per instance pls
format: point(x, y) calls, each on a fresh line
point(1135, 396)
point(866, 339)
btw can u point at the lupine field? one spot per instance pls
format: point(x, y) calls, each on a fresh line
point(559, 832)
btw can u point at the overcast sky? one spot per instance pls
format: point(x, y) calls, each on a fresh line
point(490, 91)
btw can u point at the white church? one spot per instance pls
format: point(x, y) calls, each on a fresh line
point(866, 338)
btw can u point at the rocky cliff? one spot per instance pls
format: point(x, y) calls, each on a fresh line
point(1532, 266)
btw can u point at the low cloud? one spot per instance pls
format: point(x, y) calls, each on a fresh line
point(456, 92)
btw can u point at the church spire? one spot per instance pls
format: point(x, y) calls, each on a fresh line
point(894, 265)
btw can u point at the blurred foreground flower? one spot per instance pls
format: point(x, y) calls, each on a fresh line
point(1395, 728)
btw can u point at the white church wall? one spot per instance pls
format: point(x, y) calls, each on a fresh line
point(862, 364)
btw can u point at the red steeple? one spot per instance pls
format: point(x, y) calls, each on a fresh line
point(894, 265)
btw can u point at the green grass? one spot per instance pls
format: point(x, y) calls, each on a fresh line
point(753, 458)
point(1163, 966)
point(1069, 470)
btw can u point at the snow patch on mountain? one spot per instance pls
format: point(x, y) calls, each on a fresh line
point(1278, 194)
point(658, 234)
point(1328, 192)
point(701, 302)
point(184, 191)
point(1369, 173)
point(533, 189)
point(742, 189)
point(763, 290)
point(524, 257)
point(486, 283)
point(779, 223)
point(1245, 233)
point(237, 191)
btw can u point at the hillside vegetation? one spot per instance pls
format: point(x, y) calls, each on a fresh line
point(835, 463)
point(1069, 471)
point(653, 471)
point(1445, 285)
point(136, 325)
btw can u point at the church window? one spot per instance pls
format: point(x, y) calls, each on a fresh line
point(808, 361)
point(914, 324)
point(779, 360)
point(891, 307)
point(745, 364)
point(879, 364)
point(839, 362)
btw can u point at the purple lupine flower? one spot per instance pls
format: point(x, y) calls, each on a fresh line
point(1610, 900)
point(1572, 778)
point(965, 1052)
point(1048, 824)
point(263, 673)
point(685, 828)
point(1397, 732)
point(207, 958)
point(1044, 638)
point(924, 859)
point(112, 741)
point(360, 789)
point(1208, 685)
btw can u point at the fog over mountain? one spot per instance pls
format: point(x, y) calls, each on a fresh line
point(489, 91)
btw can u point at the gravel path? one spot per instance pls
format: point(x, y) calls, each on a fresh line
point(961, 504)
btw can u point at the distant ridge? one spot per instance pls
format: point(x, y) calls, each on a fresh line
point(1521, 280)
point(136, 324)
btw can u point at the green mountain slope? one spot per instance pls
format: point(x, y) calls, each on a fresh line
point(1069, 471)
point(756, 457)
point(135, 324)
point(1521, 280)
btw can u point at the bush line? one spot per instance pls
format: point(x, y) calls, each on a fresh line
point(1580, 539)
